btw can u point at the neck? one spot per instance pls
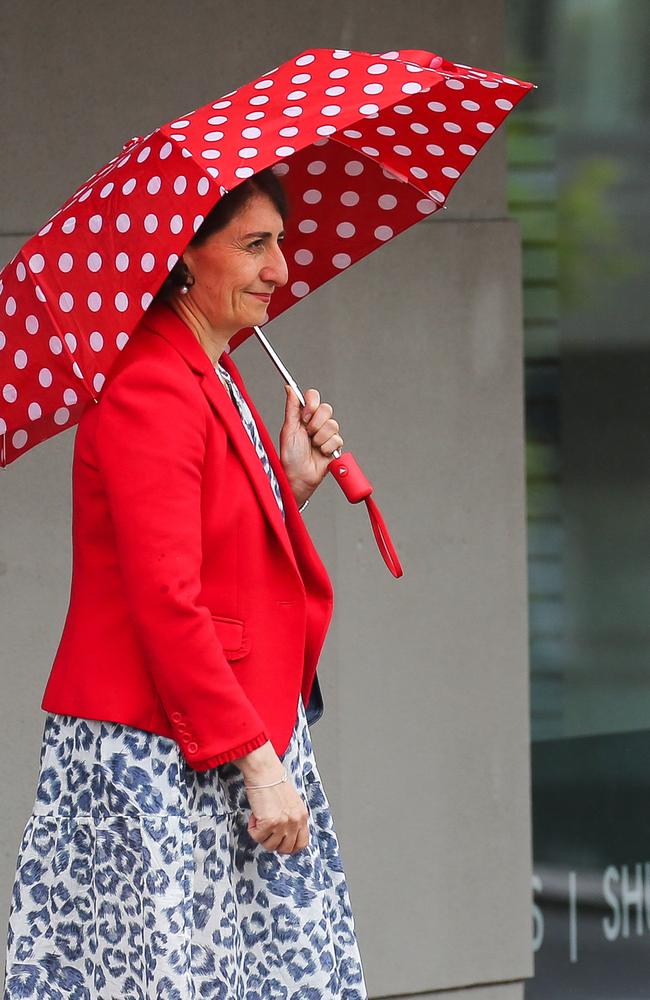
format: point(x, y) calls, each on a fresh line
point(213, 342)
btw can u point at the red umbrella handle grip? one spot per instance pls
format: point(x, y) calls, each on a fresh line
point(356, 486)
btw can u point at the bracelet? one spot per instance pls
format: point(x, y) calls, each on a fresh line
point(300, 509)
point(270, 784)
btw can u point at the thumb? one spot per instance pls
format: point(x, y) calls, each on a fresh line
point(291, 408)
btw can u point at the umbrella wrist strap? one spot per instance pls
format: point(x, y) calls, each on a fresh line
point(357, 487)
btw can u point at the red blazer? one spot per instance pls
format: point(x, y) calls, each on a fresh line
point(195, 611)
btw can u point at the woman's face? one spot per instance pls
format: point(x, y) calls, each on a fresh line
point(233, 264)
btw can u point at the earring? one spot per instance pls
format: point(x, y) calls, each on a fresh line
point(184, 289)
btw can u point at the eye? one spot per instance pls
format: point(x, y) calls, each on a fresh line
point(256, 243)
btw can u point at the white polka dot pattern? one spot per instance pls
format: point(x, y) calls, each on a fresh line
point(366, 146)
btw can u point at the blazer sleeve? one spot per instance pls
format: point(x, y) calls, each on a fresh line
point(150, 438)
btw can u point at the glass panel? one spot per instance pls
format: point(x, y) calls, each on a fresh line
point(580, 188)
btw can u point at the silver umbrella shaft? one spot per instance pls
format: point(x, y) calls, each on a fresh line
point(284, 371)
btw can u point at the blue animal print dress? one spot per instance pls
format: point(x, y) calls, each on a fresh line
point(137, 878)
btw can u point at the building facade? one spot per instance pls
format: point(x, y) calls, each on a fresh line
point(578, 184)
point(424, 744)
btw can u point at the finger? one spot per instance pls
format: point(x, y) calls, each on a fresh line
point(292, 407)
point(266, 828)
point(272, 841)
point(319, 417)
point(302, 840)
point(294, 835)
point(324, 432)
point(288, 843)
point(284, 833)
point(330, 446)
point(312, 402)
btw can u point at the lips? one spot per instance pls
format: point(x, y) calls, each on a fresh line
point(264, 296)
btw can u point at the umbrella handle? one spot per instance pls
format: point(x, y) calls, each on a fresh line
point(357, 487)
point(346, 471)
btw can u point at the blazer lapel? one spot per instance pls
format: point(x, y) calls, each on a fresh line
point(162, 319)
point(310, 566)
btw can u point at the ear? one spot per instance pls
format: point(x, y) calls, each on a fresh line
point(184, 266)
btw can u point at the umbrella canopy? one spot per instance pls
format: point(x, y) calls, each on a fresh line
point(366, 146)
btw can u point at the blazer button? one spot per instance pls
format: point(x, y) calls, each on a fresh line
point(181, 726)
point(186, 737)
point(192, 747)
point(176, 716)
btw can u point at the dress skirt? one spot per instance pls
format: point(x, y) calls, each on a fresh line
point(137, 879)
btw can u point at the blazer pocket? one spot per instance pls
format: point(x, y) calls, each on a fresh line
point(230, 632)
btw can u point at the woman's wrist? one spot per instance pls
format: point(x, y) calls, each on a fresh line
point(260, 765)
point(301, 493)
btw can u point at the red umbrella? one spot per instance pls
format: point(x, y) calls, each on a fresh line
point(366, 145)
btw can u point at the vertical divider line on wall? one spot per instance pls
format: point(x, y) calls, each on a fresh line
point(533, 201)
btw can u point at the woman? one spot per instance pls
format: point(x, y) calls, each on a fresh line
point(181, 843)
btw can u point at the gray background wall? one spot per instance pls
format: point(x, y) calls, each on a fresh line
point(424, 744)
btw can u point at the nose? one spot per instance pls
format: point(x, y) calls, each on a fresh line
point(275, 270)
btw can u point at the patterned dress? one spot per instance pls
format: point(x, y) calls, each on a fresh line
point(137, 879)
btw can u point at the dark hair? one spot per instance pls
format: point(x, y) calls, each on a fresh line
point(265, 182)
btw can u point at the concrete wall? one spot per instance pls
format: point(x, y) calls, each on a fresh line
point(424, 742)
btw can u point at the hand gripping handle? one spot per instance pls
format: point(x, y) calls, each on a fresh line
point(356, 486)
point(345, 470)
